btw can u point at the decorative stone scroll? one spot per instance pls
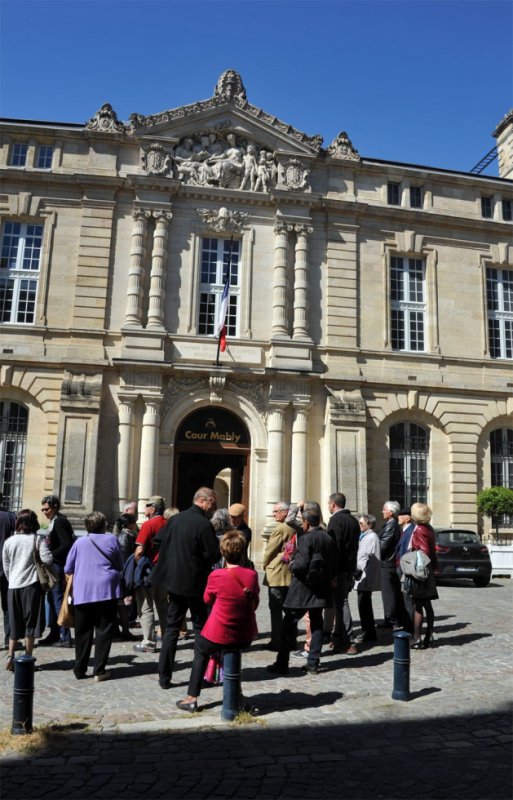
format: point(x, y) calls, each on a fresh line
point(222, 221)
point(342, 147)
point(156, 160)
point(106, 121)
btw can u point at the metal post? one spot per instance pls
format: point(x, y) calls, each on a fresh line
point(231, 685)
point(23, 695)
point(401, 689)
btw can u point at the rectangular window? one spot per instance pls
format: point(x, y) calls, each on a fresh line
point(486, 207)
point(215, 255)
point(44, 157)
point(499, 301)
point(407, 303)
point(19, 272)
point(415, 197)
point(393, 194)
point(506, 210)
point(19, 155)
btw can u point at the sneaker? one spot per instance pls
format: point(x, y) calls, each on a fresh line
point(102, 676)
point(300, 654)
point(145, 648)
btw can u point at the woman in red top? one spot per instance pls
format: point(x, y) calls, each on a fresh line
point(423, 538)
point(233, 593)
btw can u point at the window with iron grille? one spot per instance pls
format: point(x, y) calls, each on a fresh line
point(215, 254)
point(44, 157)
point(408, 465)
point(19, 271)
point(13, 440)
point(501, 461)
point(393, 194)
point(499, 300)
point(19, 155)
point(407, 303)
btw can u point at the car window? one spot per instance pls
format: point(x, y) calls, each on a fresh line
point(457, 537)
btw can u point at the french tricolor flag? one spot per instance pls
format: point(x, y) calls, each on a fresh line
point(220, 328)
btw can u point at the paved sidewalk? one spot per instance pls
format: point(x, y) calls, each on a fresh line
point(337, 734)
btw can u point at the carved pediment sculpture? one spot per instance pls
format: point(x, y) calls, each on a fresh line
point(156, 160)
point(222, 221)
point(106, 121)
point(220, 158)
point(229, 87)
point(342, 147)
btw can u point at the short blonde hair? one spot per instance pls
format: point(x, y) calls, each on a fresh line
point(421, 513)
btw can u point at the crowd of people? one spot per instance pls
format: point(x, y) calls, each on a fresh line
point(197, 563)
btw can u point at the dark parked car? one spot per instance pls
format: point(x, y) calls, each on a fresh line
point(462, 555)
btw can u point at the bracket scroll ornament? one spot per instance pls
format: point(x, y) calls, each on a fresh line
point(223, 221)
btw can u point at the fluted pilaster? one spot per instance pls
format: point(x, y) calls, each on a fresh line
point(158, 270)
point(280, 279)
point(275, 439)
point(125, 445)
point(300, 326)
point(133, 315)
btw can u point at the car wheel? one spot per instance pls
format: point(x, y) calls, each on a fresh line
point(481, 581)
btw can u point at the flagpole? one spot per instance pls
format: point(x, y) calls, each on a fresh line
point(227, 279)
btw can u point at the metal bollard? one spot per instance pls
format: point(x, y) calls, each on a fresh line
point(401, 689)
point(23, 698)
point(231, 685)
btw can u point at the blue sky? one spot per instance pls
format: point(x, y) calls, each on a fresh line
point(420, 81)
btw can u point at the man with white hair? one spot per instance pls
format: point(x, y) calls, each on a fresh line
point(389, 535)
point(277, 572)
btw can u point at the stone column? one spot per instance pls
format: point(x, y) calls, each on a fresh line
point(275, 438)
point(133, 315)
point(149, 450)
point(158, 270)
point(280, 279)
point(300, 328)
point(299, 452)
point(125, 444)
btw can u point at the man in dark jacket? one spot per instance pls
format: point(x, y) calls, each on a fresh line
point(313, 568)
point(389, 535)
point(60, 540)
point(187, 548)
point(344, 529)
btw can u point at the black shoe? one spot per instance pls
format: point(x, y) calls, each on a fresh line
point(278, 669)
point(311, 669)
point(164, 683)
point(63, 643)
point(190, 707)
point(80, 675)
point(364, 637)
point(48, 641)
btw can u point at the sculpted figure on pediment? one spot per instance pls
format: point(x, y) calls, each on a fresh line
point(156, 160)
point(229, 87)
point(342, 147)
point(105, 120)
point(220, 158)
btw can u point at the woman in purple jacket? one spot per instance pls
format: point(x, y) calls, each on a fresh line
point(95, 562)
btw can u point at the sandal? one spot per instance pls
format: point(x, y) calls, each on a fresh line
point(10, 664)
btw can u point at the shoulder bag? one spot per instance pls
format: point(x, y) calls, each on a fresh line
point(45, 574)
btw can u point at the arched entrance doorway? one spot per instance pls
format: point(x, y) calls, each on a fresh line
point(211, 443)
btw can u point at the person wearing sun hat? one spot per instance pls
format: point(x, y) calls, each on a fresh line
point(236, 512)
point(150, 598)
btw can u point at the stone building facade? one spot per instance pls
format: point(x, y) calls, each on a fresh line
point(369, 319)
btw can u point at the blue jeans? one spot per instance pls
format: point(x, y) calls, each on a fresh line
point(53, 606)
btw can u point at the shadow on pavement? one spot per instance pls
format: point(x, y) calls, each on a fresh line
point(447, 757)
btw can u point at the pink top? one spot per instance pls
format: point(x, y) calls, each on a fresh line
point(232, 619)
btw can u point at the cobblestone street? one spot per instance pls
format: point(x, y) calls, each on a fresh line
point(336, 734)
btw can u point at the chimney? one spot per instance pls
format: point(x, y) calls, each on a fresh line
point(504, 135)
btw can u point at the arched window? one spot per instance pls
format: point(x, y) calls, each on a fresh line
point(13, 440)
point(409, 450)
point(501, 461)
